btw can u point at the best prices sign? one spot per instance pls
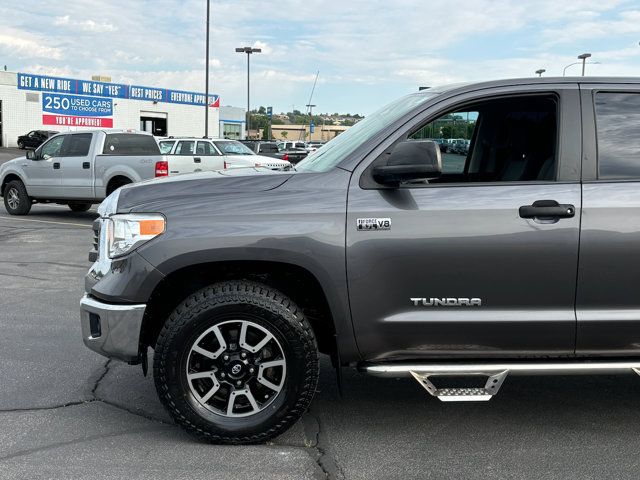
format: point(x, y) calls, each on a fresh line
point(76, 111)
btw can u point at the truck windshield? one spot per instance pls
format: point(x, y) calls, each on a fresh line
point(336, 150)
point(231, 147)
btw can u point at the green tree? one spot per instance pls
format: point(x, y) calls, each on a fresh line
point(284, 134)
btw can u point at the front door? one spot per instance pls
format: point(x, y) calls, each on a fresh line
point(453, 266)
point(43, 174)
point(207, 158)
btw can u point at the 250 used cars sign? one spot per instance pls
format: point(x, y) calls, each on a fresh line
point(75, 110)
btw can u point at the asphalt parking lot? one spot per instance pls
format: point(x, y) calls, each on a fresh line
point(68, 413)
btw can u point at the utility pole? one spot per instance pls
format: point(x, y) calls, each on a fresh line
point(206, 81)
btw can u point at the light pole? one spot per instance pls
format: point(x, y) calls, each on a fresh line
point(206, 81)
point(540, 72)
point(583, 57)
point(564, 70)
point(248, 51)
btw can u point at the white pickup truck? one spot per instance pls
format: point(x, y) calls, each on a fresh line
point(79, 169)
point(190, 154)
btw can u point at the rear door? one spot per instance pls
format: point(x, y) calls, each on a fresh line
point(453, 267)
point(607, 302)
point(76, 166)
point(207, 158)
point(182, 158)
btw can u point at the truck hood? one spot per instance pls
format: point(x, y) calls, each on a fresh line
point(151, 195)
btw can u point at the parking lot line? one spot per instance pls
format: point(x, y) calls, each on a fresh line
point(46, 221)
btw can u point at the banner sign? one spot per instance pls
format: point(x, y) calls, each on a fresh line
point(75, 121)
point(45, 83)
point(77, 105)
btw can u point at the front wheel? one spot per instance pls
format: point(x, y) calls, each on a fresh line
point(21, 145)
point(236, 363)
point(16, 199)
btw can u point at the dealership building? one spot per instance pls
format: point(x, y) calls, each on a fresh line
point(42, 102)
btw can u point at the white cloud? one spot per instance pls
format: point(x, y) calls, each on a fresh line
point(22, 45)
point(85, 25)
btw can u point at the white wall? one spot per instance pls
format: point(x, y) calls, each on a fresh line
point(20, 116)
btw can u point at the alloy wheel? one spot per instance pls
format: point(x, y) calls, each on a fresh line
point(13, 198)
point(236, 368)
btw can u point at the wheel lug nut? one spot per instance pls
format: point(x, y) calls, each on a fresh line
point(266, 396)
point(222, 375)
point(243, 355)
point(238, 383)
point(225, 358)
point(251, 370)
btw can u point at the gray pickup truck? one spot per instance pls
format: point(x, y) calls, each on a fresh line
point(519, 257)
point(79, 169)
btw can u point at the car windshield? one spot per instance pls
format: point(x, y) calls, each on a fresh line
point(233, 148)
point(336, 150)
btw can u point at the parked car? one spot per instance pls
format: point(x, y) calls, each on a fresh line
point(524, 260)
point(313, 146)
point(271, 149)
point(78, 169)
point(201, 154)
point(292, 145)
point(34, 138)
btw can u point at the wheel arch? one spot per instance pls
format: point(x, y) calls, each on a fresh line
point(118, 179)
point(10, 177)
point(297, 282)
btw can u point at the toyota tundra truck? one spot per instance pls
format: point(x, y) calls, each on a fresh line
point(519, 257)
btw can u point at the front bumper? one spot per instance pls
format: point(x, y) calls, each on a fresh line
point(112, 330)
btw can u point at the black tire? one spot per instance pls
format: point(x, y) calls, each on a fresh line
point(224, 303)
point(16, 199)
point(116, 185)
point(79, 207)
point(21, 145)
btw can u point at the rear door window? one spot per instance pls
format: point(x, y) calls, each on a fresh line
point(76, 145)
point(130, 144)
point(618, 134)
point(185, 147)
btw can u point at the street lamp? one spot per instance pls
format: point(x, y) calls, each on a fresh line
point(583, 57)
point(564, 70)
point(248, 51)
point(540, 72)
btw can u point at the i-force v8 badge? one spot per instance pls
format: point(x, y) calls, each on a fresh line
point(373, 224)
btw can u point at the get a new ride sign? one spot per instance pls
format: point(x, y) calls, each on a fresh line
point(76, 111)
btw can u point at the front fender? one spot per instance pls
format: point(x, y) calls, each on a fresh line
point(5, 177)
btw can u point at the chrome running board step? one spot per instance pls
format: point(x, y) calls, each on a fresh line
point(464, 394)
point(495, 373)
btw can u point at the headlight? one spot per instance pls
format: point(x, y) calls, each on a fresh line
point(125, 233)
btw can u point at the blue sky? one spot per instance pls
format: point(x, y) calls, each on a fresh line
point(368, 52)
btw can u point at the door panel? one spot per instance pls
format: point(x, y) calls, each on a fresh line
point(208, 156)
point(462, 242)
point(76, 166)
point(607, 301)
point(43, 176)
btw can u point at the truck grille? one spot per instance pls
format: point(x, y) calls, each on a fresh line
point(93, 254)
